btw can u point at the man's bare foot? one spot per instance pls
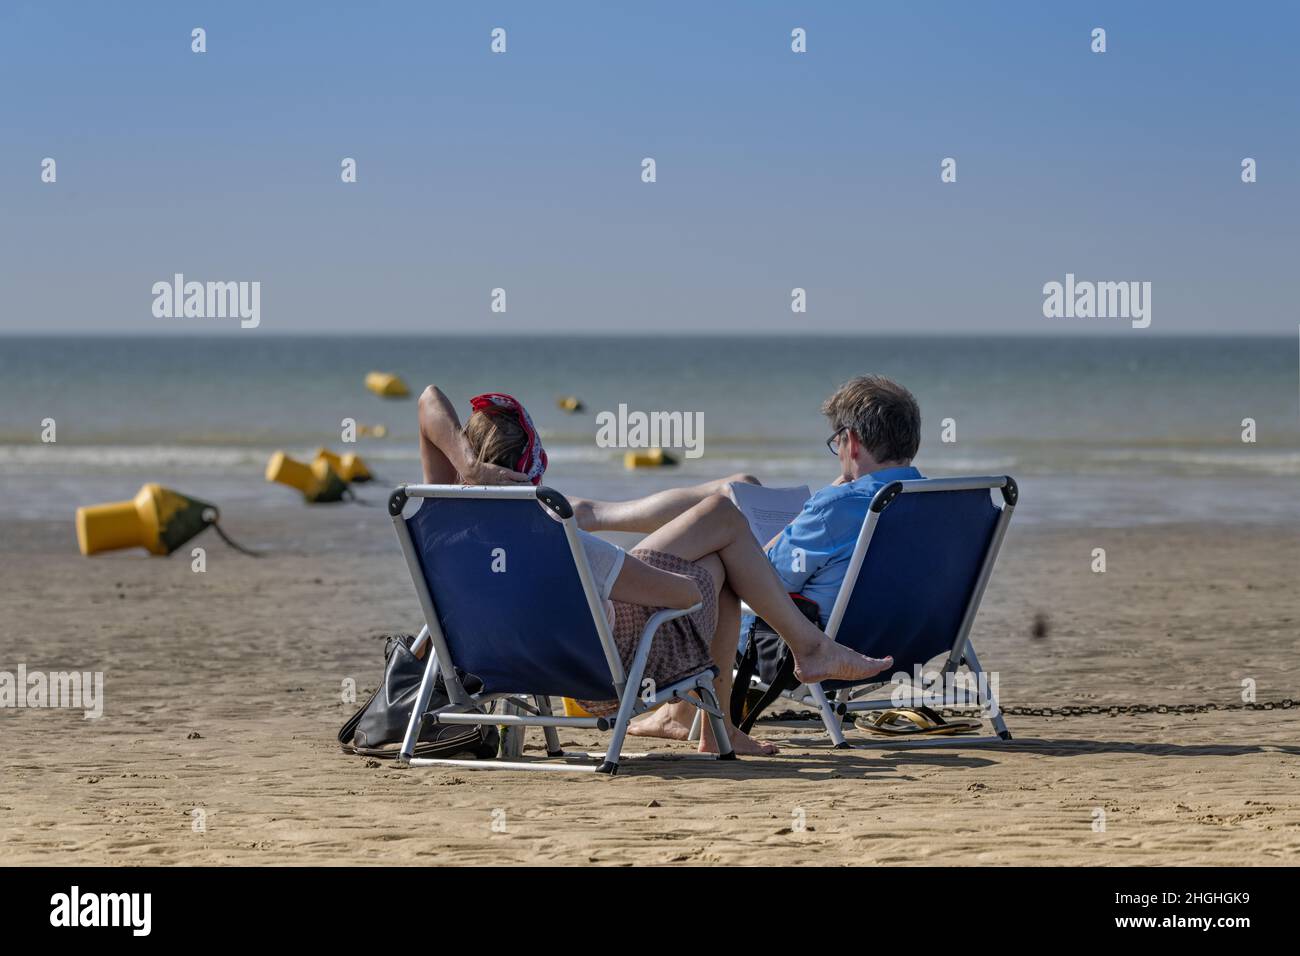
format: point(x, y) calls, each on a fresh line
point(831, 661)
point(665, 722)
point(742, 744)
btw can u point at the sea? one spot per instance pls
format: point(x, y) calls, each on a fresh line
point(1098, 431)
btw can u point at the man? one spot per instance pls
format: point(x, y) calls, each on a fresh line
point(876, 433)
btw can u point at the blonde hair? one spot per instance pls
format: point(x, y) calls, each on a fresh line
point(496, 439)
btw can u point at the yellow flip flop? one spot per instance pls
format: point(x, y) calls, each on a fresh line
point(913, 722)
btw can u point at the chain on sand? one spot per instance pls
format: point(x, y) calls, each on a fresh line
point(1114, 710)
point(1104, 710)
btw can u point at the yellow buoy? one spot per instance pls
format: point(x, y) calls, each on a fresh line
point(318, 482)
point(349, 467)
point(570, 403)
point(157, 519)
point(386, 385)
point(573, 709)
point(651, 458)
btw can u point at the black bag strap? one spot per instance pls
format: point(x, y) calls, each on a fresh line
point(746, 662)
point(783, 680)
point(784, 672)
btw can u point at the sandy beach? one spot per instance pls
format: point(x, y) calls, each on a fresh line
point(223, 693)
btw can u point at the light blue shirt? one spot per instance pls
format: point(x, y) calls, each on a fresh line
point(811, 556)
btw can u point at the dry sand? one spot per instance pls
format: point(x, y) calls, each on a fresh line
point(251, 656)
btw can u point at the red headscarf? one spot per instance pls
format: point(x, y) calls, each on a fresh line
point(533, 460)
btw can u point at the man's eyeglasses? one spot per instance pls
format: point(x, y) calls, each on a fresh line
point(833, 443)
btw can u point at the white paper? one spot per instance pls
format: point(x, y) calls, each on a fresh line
point(768, 510)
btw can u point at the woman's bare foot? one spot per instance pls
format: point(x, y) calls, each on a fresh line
point(673, 722)
point(585, 513)
point(742, 744)
point(665, 722)
point(830, 661)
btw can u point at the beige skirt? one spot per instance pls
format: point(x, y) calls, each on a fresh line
point(681, 647)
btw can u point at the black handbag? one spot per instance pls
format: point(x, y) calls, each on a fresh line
point(378, 728)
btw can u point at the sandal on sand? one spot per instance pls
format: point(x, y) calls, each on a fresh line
point(913, 722)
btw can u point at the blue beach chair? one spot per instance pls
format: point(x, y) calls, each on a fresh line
point(913, 587)
point(508, 596)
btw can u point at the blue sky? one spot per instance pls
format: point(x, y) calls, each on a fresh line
point(522, 170)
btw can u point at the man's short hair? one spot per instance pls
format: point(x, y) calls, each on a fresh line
point(882, 413)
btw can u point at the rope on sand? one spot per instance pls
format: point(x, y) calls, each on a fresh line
point(233, 543)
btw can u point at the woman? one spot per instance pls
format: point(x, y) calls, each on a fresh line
point(698, 549)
